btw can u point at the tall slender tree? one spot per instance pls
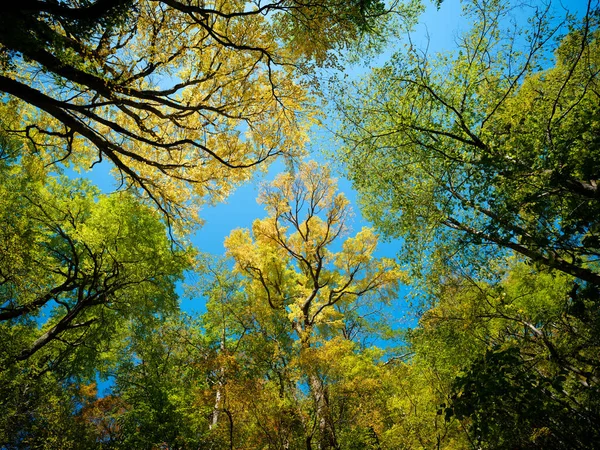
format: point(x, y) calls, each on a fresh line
point(291, 267)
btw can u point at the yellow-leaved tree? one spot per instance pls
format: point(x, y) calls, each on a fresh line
point(183, 97)
point(293, 264)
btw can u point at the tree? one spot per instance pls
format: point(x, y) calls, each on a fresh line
point(252, 365)
point(42, 414)
point(78, 270)
point(75, 268)
point(160, 387)
point(183, 98)
point(516, 362)
point(485, 148)
point(291, 269)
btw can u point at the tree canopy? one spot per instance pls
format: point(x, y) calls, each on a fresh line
point(483, 161)
point(184, 99)
point(486, 147)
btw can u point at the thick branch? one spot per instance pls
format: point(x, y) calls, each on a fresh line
point(554, 261)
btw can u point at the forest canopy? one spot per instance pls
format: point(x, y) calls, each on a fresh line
point(479, 165)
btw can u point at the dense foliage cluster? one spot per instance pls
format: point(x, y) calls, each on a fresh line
point(484, 162)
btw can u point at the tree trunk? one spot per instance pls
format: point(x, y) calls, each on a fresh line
point(327, 437)
point(219, 393)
